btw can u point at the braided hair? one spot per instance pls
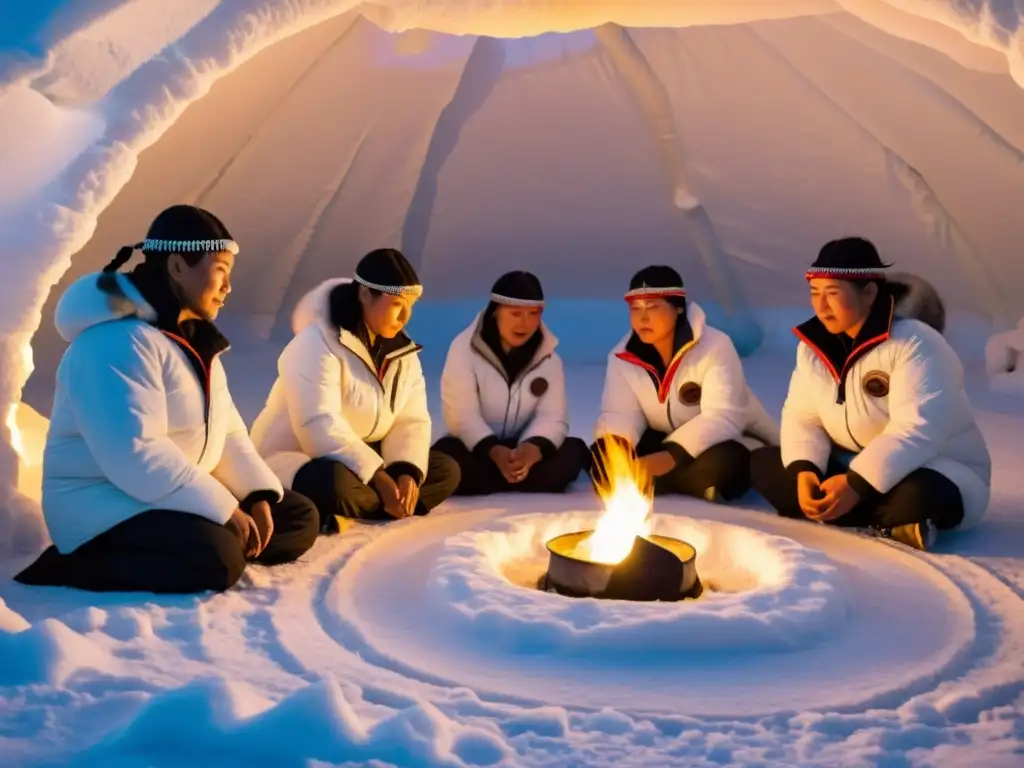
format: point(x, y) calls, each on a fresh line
point(186, 230)
point(123, 256)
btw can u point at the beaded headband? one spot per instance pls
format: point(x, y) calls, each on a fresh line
point(394, 290)
point(499, 299)
point(645, 292)
point(189, 246)
point(845, 273)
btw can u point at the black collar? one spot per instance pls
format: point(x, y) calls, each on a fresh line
point(517, 359)
point(838, 351)
point(345, 312)
point(648, 355)
point(201, 336)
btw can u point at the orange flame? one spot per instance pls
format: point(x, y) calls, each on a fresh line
point(627, 491)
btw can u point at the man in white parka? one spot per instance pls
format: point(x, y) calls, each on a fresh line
point(877, 430)
point(150, 480)
point(503, 393)
point(675, 392)
point(346, 421)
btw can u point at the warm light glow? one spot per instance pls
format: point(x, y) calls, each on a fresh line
point(12, 425)
point(17, 441)
point(626, 489)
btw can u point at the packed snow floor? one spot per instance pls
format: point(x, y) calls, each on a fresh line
point(423, 643)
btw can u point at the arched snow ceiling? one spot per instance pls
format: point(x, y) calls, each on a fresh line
point(561, 153)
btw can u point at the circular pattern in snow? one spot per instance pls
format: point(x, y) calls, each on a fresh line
point(387, 604)
point(761, 591)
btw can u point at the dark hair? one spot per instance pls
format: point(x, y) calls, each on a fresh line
point(660, 276)
point(179, 222)
point(852, 252)
point(861, 285)
point(386, 266)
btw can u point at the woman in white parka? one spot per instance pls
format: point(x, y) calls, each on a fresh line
point(675, 393)
point(346, 422)
point(503, 392)
point(150, 480)
point(877, 430)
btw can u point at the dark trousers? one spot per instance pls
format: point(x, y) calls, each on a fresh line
point(923, 494)
point(164, 551)
point(724, 467)
point(480, 475)
point(337, 492)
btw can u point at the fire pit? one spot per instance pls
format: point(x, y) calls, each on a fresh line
point(621, 559)
point(655, 568)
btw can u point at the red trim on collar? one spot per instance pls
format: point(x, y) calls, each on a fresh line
point(207, 373)
point(838, 376)
point(664, 385)
point(820, 355)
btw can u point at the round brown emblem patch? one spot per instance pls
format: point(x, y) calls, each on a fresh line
point(689, 393)
point(876, 383)
point(538, 386)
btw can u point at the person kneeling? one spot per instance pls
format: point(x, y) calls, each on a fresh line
point(675, 394)
point(346, 421)
point(877, 430)
point(150, 480)
point(503, 391)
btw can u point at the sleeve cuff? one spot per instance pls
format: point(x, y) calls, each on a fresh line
point(547, 448)
point(400, 468)
point(255, 497)
point(482, 449)
point(795, 468)
point(680, 455)
point(864, 489)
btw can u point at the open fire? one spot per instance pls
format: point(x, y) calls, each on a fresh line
point(621, 559)
point(628, 494)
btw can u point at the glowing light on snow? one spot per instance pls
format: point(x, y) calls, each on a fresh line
point(17, 440)
point(626, 490)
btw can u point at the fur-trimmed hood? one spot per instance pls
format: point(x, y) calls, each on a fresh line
point(916, 299)
point(85, 304)
point(315, 309)
point(315, 305)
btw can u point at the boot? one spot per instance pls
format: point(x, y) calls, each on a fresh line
point(920, 536)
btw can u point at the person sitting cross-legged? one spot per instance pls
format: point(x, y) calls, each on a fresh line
point(346, 422)
point(150, 480)
point(503, 391)
point(675, 395)
point(877, 430)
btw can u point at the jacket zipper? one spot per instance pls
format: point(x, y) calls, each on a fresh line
point(380, 383)
point(207, 385)
point(849, 431)
point(394, 386)
point(508, 403)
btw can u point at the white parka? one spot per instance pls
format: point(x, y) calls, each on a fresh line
point(905, 408)
point(704, 399)
point(129, 430)
point(328, 401)
point(479, 402)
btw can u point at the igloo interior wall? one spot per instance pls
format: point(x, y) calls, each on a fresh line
point(567, 154)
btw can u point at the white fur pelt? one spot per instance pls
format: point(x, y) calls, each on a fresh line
point(917, 298)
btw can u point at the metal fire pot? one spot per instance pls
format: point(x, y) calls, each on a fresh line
point(656, 568)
